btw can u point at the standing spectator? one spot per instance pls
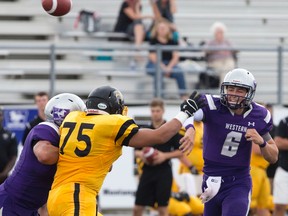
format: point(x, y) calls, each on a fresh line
point(271, 169)
point(40, 99)
point(8, 150)
point(233, 122)
point(129, 21)
point(280, 184)
point(162, 35)
point(155, 182)
point(220, 61)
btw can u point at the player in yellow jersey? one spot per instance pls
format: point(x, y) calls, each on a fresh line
point(190, 169)
point(195, 156)
point(261, 201)
point(182, 204)
point(91, 141)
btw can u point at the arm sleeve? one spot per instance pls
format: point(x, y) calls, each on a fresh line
point(125, 132)
point(199, 115)
point(46, 131)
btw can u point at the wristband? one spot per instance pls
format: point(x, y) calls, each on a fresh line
point(181, 117)
point(189, 126)
point(263, 145)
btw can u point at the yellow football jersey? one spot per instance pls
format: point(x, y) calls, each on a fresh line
point(261, 191)
point(89, 144)
point(195, 157)
point(179, 208)
point(258, 161)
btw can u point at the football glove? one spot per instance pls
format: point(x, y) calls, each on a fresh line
point(193, 103)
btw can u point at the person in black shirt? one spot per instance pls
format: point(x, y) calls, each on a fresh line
point(162, 35)
point(8, 150)
point(164, 9)
point(271, 169)
point(280, 183)
point(156, 179)
point(41, 99)
point(129, 21)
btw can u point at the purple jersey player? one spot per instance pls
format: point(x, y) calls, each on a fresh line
point(26, 190)
point(232, 124)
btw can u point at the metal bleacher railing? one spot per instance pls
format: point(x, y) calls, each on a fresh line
point(270, 83)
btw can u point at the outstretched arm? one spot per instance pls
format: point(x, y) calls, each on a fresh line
point(146, 137)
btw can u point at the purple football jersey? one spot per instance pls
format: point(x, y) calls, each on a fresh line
point(225, 148)
point(30, 180)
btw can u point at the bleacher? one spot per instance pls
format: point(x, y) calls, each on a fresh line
point(23, 23)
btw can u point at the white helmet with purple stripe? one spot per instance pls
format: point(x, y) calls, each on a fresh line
point(60, 105)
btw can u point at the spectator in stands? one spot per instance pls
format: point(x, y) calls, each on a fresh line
point(220, 61)
point(129, 21)
point(164, 9)
point(162, 35)
point(8, 150)
point(41, 99)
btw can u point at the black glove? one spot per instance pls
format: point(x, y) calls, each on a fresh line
point(191, 105)
point(181, 196)
point(193, 170)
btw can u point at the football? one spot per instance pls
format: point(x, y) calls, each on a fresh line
point(149, 154)
point(57, 7)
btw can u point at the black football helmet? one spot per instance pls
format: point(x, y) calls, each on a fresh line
point(107, 99)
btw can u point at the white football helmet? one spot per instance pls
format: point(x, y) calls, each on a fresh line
point(60, 105)
point(241, 78)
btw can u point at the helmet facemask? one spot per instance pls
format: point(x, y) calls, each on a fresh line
point(241, 101)
point(241, 78)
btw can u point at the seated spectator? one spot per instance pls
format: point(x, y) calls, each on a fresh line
point(220, 61)
point(162, 35)
point(164, 9)
point(129, 21)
